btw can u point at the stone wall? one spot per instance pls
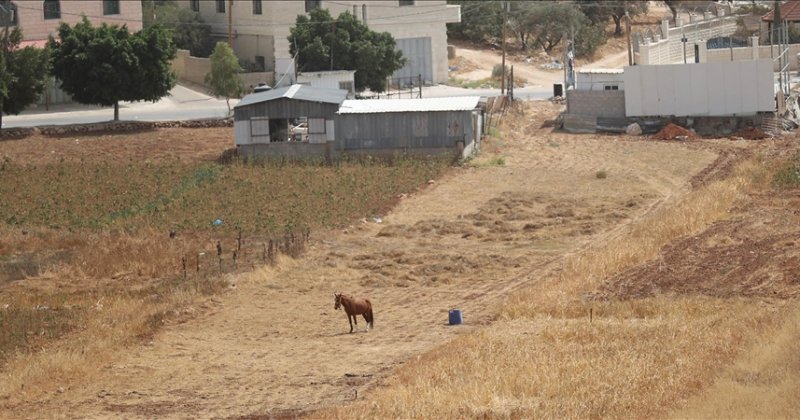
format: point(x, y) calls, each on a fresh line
point(607, 103)
point(113, 126)
point(666, 45)
point(194, 69)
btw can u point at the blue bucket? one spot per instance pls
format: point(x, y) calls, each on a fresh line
point(455, 317)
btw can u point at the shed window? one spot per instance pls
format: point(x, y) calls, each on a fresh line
point(611, 87)
point(194, 5)
point(348, 86)
point(406, 2)
point(52, 9)
point(110, 7)
point(316, 126)
point(220, 6)
point(256, 7)
point(259, 126)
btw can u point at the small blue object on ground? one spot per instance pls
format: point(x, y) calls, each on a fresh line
point(217, 222)
point(455, 317)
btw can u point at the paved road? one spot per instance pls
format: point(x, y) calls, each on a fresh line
point(184, 103)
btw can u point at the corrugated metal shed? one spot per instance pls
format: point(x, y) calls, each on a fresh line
point(298, 92)
point(374, 106)
point(429, 126)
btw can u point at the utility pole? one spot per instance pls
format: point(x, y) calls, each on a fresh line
point(628, 36)
point(230, 23)
point(505, 20)
point(684, 40)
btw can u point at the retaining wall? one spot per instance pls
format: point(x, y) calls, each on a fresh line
point(111, 126)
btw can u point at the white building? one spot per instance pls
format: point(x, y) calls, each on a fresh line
point(261, 30)
point(599, 79)
point(336, 79)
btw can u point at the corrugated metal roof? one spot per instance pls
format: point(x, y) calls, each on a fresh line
point(372, 106)
point(323, 73)
point(299, 92)
point(601, 71)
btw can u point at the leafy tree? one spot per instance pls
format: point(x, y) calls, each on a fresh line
point(223, 79)
point(322, 43)
point(588, 38)
point(546, 22)
point(154, 51)
point(480, 21)
point(189, 31)
point(600, 12)
point(22, 73)
point(106, 64)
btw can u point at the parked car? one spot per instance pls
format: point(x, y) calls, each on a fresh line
point(262, 87)
point(299, 132)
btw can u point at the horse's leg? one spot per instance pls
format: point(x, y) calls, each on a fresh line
point(355, 321)
point(366, 319)
point(349, 319)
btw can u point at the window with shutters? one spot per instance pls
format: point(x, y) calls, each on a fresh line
point(52, 9)
point(110, 7)
point(316, 126)
point(259, 127)
point(311, 5)
point(256, 7)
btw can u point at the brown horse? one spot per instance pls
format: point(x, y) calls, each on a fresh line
point(354, 307)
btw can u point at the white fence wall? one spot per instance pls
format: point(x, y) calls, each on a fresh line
point(700, 89)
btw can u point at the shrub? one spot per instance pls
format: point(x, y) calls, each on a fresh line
point(601, 175)
point(497, 71)
point(788, 175)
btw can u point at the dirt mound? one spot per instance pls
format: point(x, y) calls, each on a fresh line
point(673, 131)
point(750, 133)
point(755, 254)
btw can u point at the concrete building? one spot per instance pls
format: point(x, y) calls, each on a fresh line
point(261, 30)
point(40, 19)
point(336, 79)
point(599, 79)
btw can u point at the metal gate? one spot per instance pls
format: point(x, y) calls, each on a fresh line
point(419, 59)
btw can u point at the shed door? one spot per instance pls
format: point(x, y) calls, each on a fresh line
point(259, 130)
point(419, 59)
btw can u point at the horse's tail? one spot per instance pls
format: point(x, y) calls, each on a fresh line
point(369, 312)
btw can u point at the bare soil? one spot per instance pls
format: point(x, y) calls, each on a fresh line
point(274, 347)
point(756, 253)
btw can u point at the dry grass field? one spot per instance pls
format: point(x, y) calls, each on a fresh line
point(599, 276)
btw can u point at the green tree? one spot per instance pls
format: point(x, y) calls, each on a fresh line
point(480, 21)
point(600, 12)
point(22, 73)
point(546, 22)
point(322, 43)
point(223, 79)
point(189, 31)
point(106, 64)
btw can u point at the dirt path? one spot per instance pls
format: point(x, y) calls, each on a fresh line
point(275, 346)
point(485, 60)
